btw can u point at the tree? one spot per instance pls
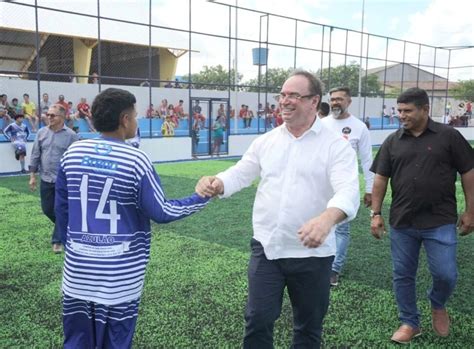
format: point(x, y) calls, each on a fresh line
point(349, 76)
point(464, 90)
point(214, 75)
point(276, 77)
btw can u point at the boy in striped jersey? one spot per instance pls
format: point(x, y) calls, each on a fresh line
point(18, 133)
point(106, 193)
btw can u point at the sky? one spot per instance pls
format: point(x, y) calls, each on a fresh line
point(431, 22)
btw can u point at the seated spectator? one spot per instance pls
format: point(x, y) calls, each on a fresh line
point(15, 108)
point(167, 129)
point(168, 85)
point(197, 114)
point(29, 111)
point(44, 107)
point(278, 117)
point(69, 121)
point(163, 109)
point(247, 115)
point(173, 115)
point(179, 110)
point(221, 113)
point(151, 112)
point(176, 84)
point(260, 110)
point(17, 133)
point(393, 115)
point(5, 117)
point(84, 112)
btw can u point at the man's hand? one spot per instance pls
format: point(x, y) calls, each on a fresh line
point(209, 186)
point(368, 199)
point(466, 223)
point(377, 227)
point(314, 232)
point(32, 182)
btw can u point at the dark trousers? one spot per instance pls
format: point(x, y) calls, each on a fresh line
point(47, 193)
point(307, 281)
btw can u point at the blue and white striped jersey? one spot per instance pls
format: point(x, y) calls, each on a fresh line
point(106, 194)
point(17, 133)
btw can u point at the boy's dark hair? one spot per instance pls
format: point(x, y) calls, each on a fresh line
point(26, 95)
point(414, 95)
point(344, 89)
point(14, 99)
point(16, 116)
point(109, 106)
point(324, 108)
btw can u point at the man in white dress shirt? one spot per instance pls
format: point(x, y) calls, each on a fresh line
point(308, 183)
point(343, 123)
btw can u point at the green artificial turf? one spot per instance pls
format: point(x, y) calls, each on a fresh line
point(196, 283)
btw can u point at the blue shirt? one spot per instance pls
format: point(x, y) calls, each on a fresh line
point(106, 193)
point(17, 133)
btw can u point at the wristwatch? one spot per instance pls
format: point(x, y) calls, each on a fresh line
point(373, 213)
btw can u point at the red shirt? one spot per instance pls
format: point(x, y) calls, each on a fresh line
point(65, 105)
point(83, 109)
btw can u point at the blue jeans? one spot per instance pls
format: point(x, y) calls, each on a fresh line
point(440, 245)
point(307, 282)
point(47, 194)
point(342, 244)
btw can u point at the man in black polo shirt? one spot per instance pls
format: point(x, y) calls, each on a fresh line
point(422, 160)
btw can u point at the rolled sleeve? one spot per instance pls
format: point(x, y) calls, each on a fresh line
point(344, 178)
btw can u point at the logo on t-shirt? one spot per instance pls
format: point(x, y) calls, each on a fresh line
point(346, 130)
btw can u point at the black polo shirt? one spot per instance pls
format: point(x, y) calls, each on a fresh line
point(422, 173)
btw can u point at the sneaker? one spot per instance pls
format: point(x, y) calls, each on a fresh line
point(23, 171)
point(334, 279)
point(405, 334)
point(440, 322)
point(57, 248)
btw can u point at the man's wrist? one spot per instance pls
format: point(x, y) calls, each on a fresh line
point(375, 213)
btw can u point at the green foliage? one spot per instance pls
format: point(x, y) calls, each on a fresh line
point(270, 81)
point(217, 75)
point(349, 76)
point(196, 284)
point(464, 90)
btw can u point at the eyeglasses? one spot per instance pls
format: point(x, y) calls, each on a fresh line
point(292, 97)
point(49, 115)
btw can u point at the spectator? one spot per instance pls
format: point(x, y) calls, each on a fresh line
point(179, 110)
point(197, 114)
point(269, 111)
point(50, 144)
point(17, 133)
point(163, 109)
point(323, 110)
point(385, 113)
point(176, 84)
point(278, 117)
point(173, 116)
point(342, 122)
point(151, 112)
point(293, 236)
point(95, 78)
point(167, 129)
point(44, 107)
point(104, 209)
point(393, 115)
point(84, 112)
point(168, 85)
point(196, 134)
point(218, 133)
point(15, 108)
point(4, 113)
point(422, 160)
point(29, 111)
point(68, 120)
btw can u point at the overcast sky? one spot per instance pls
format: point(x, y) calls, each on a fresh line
point(432, 22)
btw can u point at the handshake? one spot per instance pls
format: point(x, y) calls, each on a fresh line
point(209, 186)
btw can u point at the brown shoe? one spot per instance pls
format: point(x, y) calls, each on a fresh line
point(405, 334)
point(57, 248)
point(440, 322)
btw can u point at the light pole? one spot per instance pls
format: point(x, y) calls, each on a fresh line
point(359, 95)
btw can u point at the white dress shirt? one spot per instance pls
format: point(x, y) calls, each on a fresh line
point(356, 132)
point(300, 178)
